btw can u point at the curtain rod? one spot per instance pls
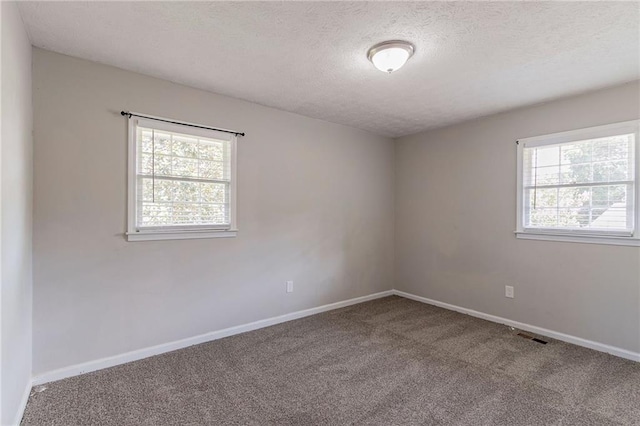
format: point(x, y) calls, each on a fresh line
point(182, 123)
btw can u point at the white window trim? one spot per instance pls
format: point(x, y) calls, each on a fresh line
point(177, 232)
point(594, 237)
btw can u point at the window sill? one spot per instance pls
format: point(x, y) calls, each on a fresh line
point(586, 239)
point(179, 235)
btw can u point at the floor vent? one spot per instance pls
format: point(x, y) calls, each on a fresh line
point(530, 337)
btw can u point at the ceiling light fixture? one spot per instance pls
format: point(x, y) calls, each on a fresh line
point(390, 56)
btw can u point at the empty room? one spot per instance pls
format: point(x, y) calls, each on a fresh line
point(320, 213)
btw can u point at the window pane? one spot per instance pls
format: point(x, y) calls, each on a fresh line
point(186, 191)
point(544, 218)
point(544, 198)
point(162, 165)
point(547, 156)
point(573, 197)
point(155, 215)
point(576, 173)
point(575, 153)
point(211, 169)
point(162, 143)
point(185, 147)
point(211, 151)
point(145, 141)
point(214, 213)
point(213, 193)
point(145, 164)
point(184, 167)
point(547, 175)
point(186, 213)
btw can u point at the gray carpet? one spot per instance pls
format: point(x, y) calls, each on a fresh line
point(391, 361)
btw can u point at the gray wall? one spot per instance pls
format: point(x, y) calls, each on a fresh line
point(456, 213)
point(315, 205)
point(15, 213)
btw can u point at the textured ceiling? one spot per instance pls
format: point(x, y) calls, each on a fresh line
point(472, 59)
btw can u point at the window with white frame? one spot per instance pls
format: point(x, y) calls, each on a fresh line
point(181, 181)
point(580, 185)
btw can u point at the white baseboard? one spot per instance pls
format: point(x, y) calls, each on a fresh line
point(23, 404)
point(112, 361)
point(622, 353)
point(99, 364)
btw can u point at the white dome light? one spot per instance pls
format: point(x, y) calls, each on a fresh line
point(390, 56)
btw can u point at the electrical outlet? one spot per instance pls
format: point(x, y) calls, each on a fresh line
point(508, 291)
point(289, 286)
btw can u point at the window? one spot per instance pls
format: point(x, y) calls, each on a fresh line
point(181, 181)
point(580, 186)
